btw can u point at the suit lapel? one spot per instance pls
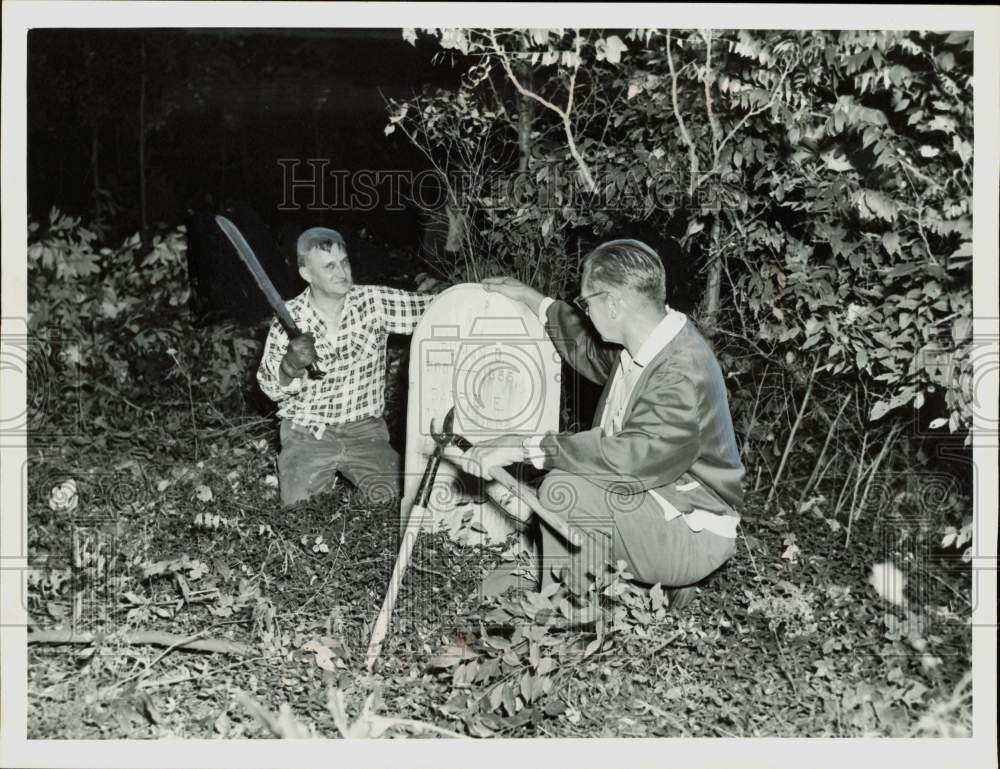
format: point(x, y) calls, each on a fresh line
point(647, 371)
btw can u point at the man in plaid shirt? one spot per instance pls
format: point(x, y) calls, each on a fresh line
point(336, 422)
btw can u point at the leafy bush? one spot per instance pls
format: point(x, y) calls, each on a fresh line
point(77, 286)
point(822, 183)
point(115, 320)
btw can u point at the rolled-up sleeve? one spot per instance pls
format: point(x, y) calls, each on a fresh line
point(401, 310)
point(267, 373)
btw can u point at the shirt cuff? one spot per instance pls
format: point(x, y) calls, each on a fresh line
point(292, 387)
point(533, 451)
point(543, 309)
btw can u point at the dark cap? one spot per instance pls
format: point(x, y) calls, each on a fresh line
point(318, 236)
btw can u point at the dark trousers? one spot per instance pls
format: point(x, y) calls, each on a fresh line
point(360, 451)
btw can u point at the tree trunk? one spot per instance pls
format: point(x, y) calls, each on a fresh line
point(95, 167)
point(144, 228)
point(713, 282)
point(92, 120)
point(525, 115)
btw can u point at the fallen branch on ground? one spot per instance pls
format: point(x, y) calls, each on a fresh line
point(144, 637)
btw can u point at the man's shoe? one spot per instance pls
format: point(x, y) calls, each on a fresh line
point(679, 597)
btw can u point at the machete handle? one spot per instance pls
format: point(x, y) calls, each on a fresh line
point(312, 370)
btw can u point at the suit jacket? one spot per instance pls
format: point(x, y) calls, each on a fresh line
point(677, 434)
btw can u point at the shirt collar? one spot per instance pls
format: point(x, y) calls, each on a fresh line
point(314, 316)
point(658, 338)
point(311, 319)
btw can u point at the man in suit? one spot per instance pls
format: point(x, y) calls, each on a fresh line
point(656, 482)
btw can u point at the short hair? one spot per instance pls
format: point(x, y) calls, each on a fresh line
point(317, 237)
point(628, 264)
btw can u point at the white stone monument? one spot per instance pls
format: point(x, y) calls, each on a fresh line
point(489, 358)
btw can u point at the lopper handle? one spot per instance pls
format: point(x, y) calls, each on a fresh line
point(519, 490)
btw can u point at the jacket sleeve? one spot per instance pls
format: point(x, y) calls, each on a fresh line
point(267, 373)
point(657, 444)
point(578, 344)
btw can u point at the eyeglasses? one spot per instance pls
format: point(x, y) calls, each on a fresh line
point(583, 302)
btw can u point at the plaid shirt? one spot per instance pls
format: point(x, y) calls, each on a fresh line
point(354, 362)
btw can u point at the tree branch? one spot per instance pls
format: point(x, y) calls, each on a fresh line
point(707, 79)
point(692, 155)
point(144, 637)
point(564, 114)
point(791, 435)
point(743, 121)
point(822, 455)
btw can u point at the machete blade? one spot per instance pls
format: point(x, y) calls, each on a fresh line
point(249, 258)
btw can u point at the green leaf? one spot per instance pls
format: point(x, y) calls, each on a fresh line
point(497, 642)
point(899, 75)
point(656, 596)
point(496, 697)
point(944, 123)
point(901, 270)
point(520, 719)
point(915, 693)
point(837, 161)
point(960, 329)
point(963, 148)
point(526, 687)
point(694, 227)
point(611, 49)
point(878, 411)
point(890, 241)
point(507, 697)
point(878, 204)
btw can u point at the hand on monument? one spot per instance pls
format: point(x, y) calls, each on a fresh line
point(514, 289)
point(486, 455)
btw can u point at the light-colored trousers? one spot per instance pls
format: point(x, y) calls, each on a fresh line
point(614, 527)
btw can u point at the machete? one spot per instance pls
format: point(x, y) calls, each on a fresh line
point(264, 282)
